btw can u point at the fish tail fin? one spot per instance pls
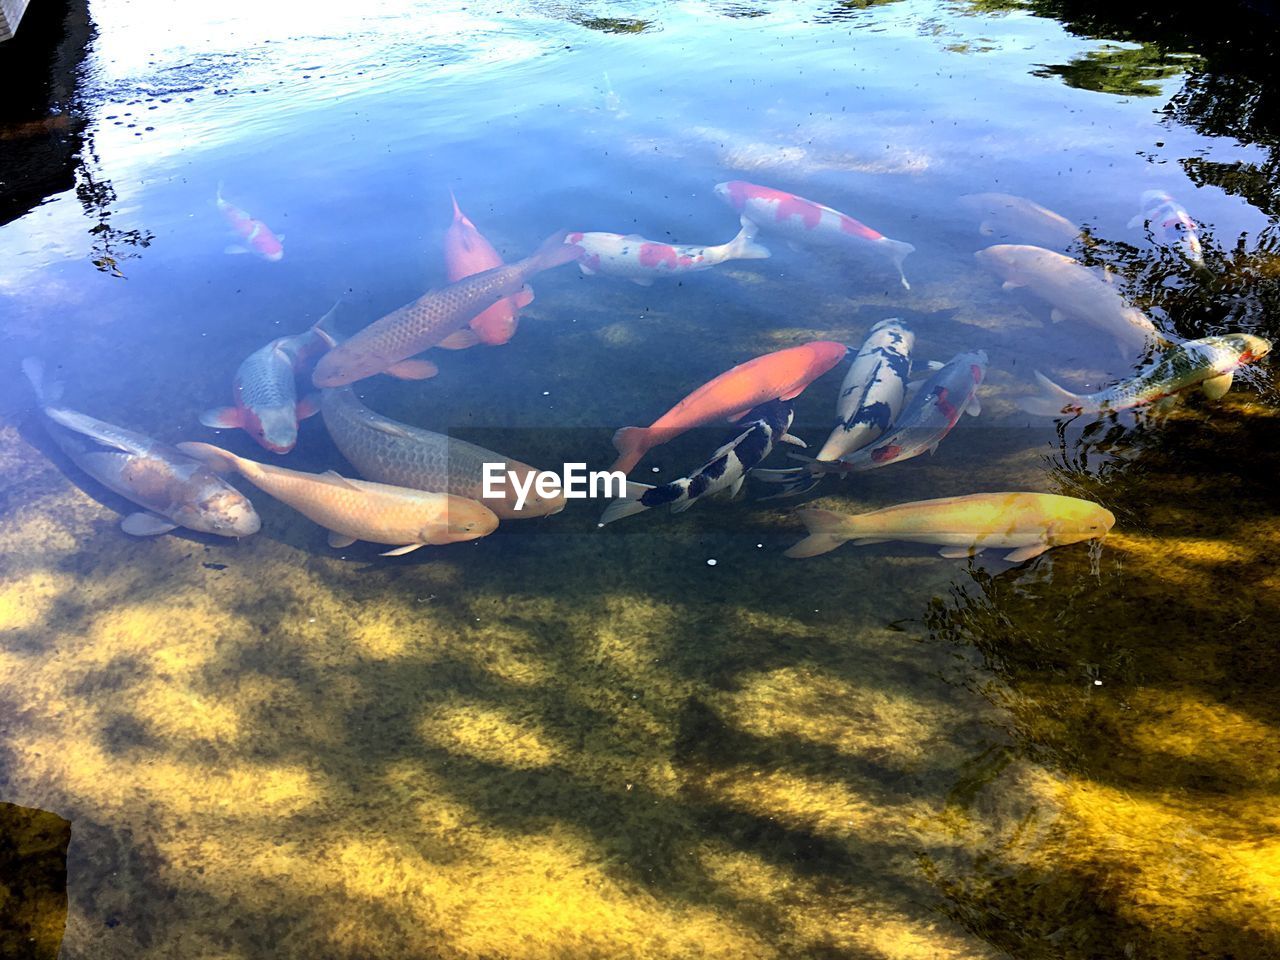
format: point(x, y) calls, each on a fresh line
point(827, 530)
point(629, 505)
point(744, 246)
point(215, 458)
point(48, 392)
point(217, 195)
point(553, 252)
point(326, 326)
point(1053, 401)
point(898, 251)
point(457, 211)
point(631, 444)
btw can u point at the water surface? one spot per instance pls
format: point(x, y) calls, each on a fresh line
point(561, 741)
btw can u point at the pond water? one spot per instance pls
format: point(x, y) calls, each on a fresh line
point(660, 738)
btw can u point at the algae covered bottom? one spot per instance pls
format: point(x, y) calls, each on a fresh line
point(661, 738)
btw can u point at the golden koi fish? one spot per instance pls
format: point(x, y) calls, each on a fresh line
point(1027, 524)
point(359, 510)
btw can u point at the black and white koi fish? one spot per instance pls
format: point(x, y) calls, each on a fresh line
point(728, 467)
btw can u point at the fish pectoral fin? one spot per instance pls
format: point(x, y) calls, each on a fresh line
point(738, 415)
point(401, 551)
point(1056, 315)
point(1215, 387)
point(143, 524)
point(339, 479)
point(680, 506)
point(1136, 220)
point(642, 281)
point(793, 440)
point(737, 486)
point(956, 553)
point(524, 297)
point(1010, 285)
point(222, 418)
point(868, 541)
point(974, 407)
point(308, 406)
point(234, 248)
point(924, 369)
point(412, 370)
point(1026, 553)
point(338, 540)
point(459, 340)
point(585, 269)
point(388, 427)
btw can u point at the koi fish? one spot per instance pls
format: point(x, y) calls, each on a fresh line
point(1026, 524)
point(1007, 217)
point(386, 345)
point(1072, 290)
point(781, 375)
point(388, 451)
point(928, 418)
point(466, 253)
point(256, 236)
point(724, 472)
point(174, 490)
point(640, 260)
point(266, 398)
point(809, 222)
point(869, 401)
point(354, 510)
point(1209, 364)
point(1170, 224)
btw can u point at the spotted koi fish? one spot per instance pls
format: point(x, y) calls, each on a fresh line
point(724, 472)
point(266, 398)
point(808, 222)
point(1209, 364)
point(255, 236)
point(927, 419)
point(641, 261)
point(1170, 224)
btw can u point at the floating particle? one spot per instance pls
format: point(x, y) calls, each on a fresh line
point(711, 563)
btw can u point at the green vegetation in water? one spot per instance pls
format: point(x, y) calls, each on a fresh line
point(1125, 71)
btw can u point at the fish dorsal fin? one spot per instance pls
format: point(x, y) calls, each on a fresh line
point(143, 524)
point(339, 540)
point(389, 427)
point(338, 479)
point(105, 434)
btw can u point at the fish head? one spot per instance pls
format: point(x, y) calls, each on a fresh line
point(732, 192)
point(1002, 259)
point(534, 504)
point(464, 520)
point(1251, 348)
point(275, 428)
point(1081, 520)
point(1154, 198)
point(892, 332)
point(824, 354)
point(218, 508)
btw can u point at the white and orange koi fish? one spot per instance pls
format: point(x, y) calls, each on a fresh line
point(266, 398)
point(255, 236)
point(1170, 224)
point(641, 261)
point(805, 221)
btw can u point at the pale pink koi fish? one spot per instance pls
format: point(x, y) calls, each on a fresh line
point(255, 236)
point(641, 261)
point(805, 221)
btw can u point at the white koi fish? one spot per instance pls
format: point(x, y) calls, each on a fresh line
point(808, 222)
point(1072, 290)
point(1006, 217)
point(255, 236)
point(174, 490)
point(1026, 524)
point(1170, 224)
point(266, 397)
point(640, 260)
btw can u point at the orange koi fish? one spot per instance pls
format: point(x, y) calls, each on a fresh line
point(467, 252)
point(781, 375)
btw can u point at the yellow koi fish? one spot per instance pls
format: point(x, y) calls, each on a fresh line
point(359, 510)
point(1027, 524)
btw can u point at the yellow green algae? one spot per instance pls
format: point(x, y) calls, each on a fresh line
point(565, 742)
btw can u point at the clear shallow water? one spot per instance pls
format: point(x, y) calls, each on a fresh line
point(560, 741)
